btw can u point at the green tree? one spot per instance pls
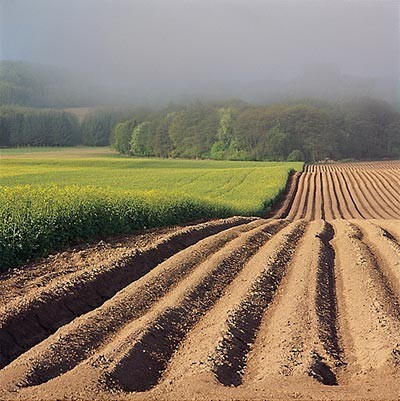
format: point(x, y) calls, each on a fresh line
point(141, 139)
point(193, 130)
point(162, 143)
point(123, 135)
point(277, 143)
point(295, 155)
point(97, 127)
point(226, 145)
point(35, 127)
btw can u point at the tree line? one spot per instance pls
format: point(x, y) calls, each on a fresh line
point(234, 130)
point(37, 127)
point(307, 131)
point(23, 126)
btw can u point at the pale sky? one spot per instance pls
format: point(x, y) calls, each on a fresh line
point(186, 43)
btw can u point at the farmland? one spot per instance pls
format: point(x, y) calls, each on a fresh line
point(54, 197)
point(199, 200)
point(305, 304)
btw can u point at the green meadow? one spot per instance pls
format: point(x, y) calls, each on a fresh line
point(53, 197)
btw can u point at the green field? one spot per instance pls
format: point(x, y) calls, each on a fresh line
point(52, 197)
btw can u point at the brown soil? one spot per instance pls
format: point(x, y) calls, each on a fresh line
point(348, 191)
point(305, 305)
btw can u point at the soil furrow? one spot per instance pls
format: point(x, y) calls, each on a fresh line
point(288, 197)
point(296, 339)
point(333, 201)
point(194, 360)
point(327, 197)
point(326, 304)
point(342, 200)
point(386, 253)
point(80, 338)
point(367, 195)
point(141, 366)
point(298, 196)
point(302, 211)
point(243, 324)
point(379, 196)
point(386, 185)
point(311, 204)
point(37, 275)
point(380, 274)
point(321, 197)
point(335, 195)
point(370, 309)
point(394, 174)
point(392, 227)
point(32, 319)
point(349, 195)
point(359, 196)
point(359, 199)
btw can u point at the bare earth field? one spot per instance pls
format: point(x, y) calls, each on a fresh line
point(302, 305)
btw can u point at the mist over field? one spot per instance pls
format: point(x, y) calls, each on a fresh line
point(157, 51)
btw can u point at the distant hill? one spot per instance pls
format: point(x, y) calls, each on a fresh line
point(34, 85)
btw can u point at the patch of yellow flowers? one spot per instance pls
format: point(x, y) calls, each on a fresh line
point(37, 220)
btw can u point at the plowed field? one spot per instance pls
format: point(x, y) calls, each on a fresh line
point(305, 304)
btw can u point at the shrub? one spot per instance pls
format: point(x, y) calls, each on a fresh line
point(295, 156)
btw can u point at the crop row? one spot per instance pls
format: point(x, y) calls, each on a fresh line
point(37, 220)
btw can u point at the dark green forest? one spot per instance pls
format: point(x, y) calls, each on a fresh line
point(35, 127)
point(307, 130)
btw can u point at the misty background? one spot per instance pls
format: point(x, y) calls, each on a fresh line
point(159, 51)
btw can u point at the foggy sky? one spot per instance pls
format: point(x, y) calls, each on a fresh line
point(181, 44)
